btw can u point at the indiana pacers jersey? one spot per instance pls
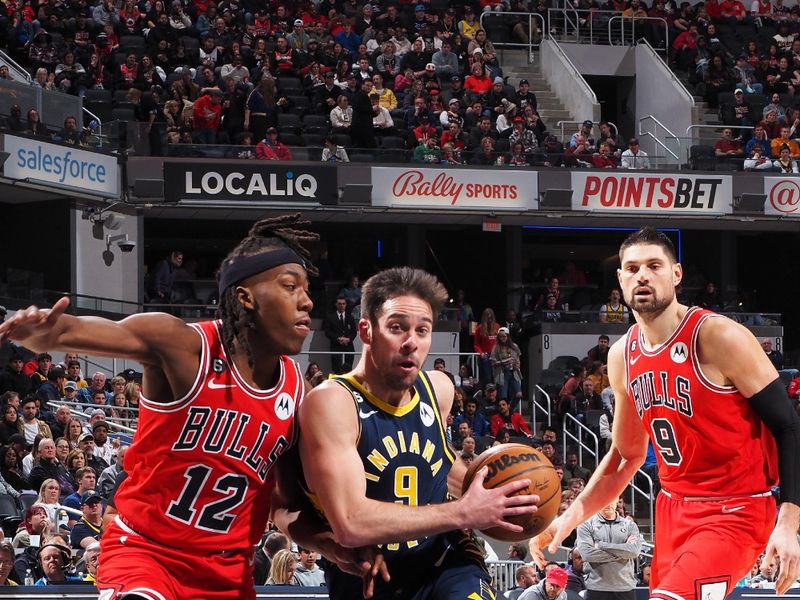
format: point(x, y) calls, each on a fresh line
point(404, 450)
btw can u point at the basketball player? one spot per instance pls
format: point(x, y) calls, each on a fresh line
point(700, 386)
point(376, 460)
point(217, 411)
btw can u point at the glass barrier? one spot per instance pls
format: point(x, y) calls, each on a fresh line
point(701, 152)
point(53, 107)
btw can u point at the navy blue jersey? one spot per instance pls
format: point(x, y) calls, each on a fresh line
point(405, 454)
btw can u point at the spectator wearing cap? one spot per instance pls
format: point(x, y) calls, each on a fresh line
point(206, 116)
point(552, 587)
point(469, 25)
point(326, 96)
point(86, 444)
point(525, 97)
point(428, 150)
point(610, 544)
point(503, 125)
point(446, 62)
point(13, 379)
point(737, 113)
point(524, 135)
point(298, 40)
point(278, 148)
point(456, 90)
point(451, 115)
point(634, 157)
point(90, 527)
point(495, 97)
point(104, 448)
point(585, 131)
point(423, 131)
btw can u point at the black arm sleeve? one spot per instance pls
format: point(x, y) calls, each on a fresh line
point(773, 406)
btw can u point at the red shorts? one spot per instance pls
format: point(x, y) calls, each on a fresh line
point(703, 549)
point(132, 564)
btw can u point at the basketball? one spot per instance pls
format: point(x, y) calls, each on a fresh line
point(512, 462)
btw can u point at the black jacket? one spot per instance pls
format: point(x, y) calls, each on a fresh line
point(334, 329)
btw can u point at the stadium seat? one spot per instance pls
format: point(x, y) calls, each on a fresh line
point(189, 42)
point(392, 142)
point(300, 103)
point(316, 130)
point(101, 108)
point(300, 154)
point(702, 158)
point(315, 121)
point(91, 95)
point(289, 120)
point(342, 139)
point(393, 156)
point(362, 157)
point(287, 84)
point(123, 114)
point(312, 139)
point(291, 139)
point(135, 43)
point(120, 96)
point(8, 506)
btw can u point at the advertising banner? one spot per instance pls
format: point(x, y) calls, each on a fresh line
point(783, 196)
point(493, 189)
point(256, 181)
point(651, 193)
point(61, 166)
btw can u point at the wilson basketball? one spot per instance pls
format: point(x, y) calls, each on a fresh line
point(512, 462)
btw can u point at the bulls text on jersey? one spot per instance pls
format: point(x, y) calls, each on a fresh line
point(223, 434)
point(657, 388)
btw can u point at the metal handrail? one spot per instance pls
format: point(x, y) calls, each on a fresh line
point(579, 438)
point(545, 409)
point(648, 496)
point(581, 81)
point(531, 17)
point(10, 62)
point(669, 72)
point(108, 420)
point(96, 118)
point(560, 125)
point(623, 18)
point(655, 138)
point(690, 128)
point(83, 405)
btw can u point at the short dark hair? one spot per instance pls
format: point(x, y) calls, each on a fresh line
point(401, 281)
point(83, 471)
point(649, 235)
point(521, 550)
point(44, 355)
point(603, 336)
point(276, 541)
point(438, 361)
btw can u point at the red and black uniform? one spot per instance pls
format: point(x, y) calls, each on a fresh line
point(197, 498)
point(717, 462)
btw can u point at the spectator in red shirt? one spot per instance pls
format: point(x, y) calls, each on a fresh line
point(479, 82)
point(424, 130)
point(207, 114)
point(714, 10)
point(280, 149)
point(505, 419)
point(604, 159)
point(264, 151)
point(727, 147)
point(735, 12)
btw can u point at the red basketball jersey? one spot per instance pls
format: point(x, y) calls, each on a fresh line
point(200, 468)
point(707, 439)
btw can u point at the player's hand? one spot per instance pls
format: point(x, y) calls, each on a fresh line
point(378, 567)
point(550, 538)
point(32, 322)
point(783, 543)
point(485, 508)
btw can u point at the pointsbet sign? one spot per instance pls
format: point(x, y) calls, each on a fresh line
point(652, 193)
point(63, 166)
point(255, 181)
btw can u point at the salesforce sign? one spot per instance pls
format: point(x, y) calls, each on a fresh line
point(62, 166)
point(254, 181)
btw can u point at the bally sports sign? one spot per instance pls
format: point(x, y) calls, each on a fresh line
point(495, 189)
point(651, 193)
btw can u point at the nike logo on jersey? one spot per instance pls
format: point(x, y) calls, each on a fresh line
point(633, 360)
point(364, 415)
point(727, 510)
point(219, 386)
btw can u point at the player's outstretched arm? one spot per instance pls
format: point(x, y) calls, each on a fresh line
point(750, 370)
point(329, 428)
point(627, 453)
point(144, 337)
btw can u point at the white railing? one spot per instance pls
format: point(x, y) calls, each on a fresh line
point(560, 125)
point(577, 437)
point(623, 19)
point(535, 406)
point(647, 495)
point(14, 67)
point(504, 573)
point(110, 420)
point(654, 134)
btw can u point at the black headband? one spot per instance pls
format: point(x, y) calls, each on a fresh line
point(245, 266)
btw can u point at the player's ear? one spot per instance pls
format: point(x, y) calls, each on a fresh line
point(677, 273)
point(619, 278)
point(245, 297)
point(365, 331)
